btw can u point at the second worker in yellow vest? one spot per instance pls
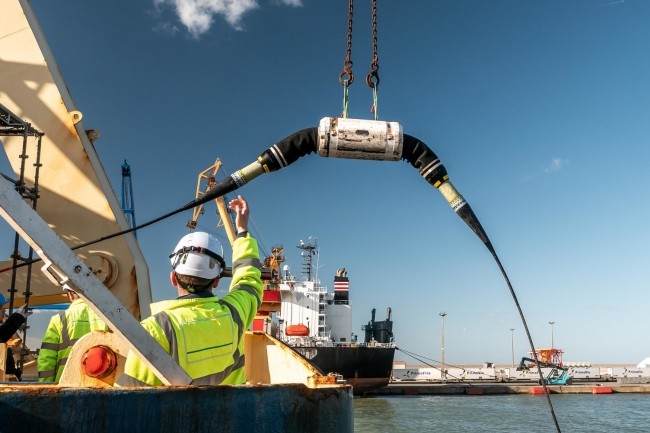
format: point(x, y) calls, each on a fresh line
point(204, 334)
point(62, 333)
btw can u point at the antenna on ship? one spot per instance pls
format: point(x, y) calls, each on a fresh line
point(309, 250)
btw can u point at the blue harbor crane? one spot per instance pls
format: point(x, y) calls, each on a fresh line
point(127, 195)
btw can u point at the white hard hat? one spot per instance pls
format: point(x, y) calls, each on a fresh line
point(198, 254)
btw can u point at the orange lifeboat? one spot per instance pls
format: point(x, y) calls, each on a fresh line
point(299, 330)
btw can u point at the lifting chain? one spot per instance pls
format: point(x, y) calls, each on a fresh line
point(346, 78)
point(372, 79)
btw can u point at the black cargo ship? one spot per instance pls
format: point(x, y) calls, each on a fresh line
point(365, 366)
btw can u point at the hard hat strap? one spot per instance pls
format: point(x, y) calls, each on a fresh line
point(199, 250)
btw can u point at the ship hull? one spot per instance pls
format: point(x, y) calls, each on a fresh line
point(364, 367)
point(236, 409)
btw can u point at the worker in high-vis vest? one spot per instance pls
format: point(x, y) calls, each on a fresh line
point(204, 334)
point(62, 333)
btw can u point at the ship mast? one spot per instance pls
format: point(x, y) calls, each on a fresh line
point(308, 251)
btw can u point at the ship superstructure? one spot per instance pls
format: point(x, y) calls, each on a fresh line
point(317, 323)
point(310, 315)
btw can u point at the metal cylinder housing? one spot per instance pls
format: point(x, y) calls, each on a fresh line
point(360, 139)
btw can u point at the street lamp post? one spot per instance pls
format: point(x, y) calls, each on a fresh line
point(552, 343)
point(512, 345)
point(444, 374)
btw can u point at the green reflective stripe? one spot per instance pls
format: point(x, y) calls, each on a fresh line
point(48, 373)
point(165, 324)
point(217, 378)
point(50, 346)
point(246, 262)
point(126, 380)
point(236, 318)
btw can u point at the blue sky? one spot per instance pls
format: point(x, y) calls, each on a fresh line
point(539, 111)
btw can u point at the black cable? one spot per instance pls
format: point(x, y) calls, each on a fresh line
point(530, 339)
point(218, 190)
point(420, 156)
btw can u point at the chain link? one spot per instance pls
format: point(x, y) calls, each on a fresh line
point(372, 79)
point(347, 77)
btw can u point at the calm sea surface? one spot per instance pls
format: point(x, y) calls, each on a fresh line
point(612, 413)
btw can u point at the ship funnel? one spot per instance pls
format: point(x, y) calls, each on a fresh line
point(341, 287)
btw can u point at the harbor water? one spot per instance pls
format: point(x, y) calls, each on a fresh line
point(620, 413)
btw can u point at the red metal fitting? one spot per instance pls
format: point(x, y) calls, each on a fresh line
point(99, 361)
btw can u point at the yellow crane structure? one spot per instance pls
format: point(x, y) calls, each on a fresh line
point(205, 182)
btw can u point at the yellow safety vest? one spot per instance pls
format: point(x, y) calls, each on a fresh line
point(61, 334)
point(205, 334)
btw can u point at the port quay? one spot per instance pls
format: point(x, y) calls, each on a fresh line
point(495, 380)
point(492, 388)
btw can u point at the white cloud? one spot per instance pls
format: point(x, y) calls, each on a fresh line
point(556, 164)
point(198, 15)
point(167, 28)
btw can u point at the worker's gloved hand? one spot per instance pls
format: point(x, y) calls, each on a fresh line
point(23, 311)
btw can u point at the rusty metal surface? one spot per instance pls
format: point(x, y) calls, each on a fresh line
point(278, 408)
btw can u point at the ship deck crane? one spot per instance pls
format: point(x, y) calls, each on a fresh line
point(206, 181)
